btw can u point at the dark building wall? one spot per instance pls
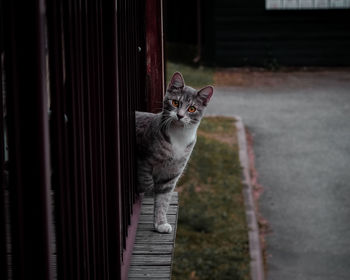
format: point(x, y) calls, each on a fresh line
point(244, 33)
point(247, 34)
point(180, 19)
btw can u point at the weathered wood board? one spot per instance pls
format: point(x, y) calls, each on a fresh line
point(153, 252)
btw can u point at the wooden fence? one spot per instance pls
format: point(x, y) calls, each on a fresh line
point(73, 74)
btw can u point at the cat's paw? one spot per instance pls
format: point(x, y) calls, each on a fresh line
point(164, 228)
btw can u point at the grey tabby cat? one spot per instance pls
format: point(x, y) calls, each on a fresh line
point(165, 142)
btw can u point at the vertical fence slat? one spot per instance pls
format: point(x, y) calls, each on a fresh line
point(154, 54)
point(73, 62)
point(87, 95)
point(101, 143)
point(28, 139)
point(4, 264)
point(122, 91)
point(93, 119)
point(112, 140)
point(141, 97)
point(61, 164)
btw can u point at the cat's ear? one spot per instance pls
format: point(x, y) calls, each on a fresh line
point(177, 81)
point(205, 94)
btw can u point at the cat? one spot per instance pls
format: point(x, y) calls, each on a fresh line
point(165, 142)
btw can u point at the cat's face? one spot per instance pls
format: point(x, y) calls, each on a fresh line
point(185, 105)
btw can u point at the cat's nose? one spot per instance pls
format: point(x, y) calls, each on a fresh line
point(179, 116)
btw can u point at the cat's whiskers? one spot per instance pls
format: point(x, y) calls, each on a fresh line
point(168, 123)
point(165, 124)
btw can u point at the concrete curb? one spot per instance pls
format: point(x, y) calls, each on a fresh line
point(256, 260)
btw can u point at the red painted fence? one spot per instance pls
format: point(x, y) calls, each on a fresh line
point(73, 74)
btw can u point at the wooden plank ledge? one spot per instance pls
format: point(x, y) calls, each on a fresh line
point(153, 252)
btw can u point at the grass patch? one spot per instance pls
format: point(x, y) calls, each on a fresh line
point(212, 236)
point(196, 77)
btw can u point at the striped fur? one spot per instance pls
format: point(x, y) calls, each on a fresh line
point(165, 142)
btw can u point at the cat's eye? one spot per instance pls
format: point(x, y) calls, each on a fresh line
point(192, 109)
point(175, 103)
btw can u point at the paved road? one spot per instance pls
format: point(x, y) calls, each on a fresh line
point(301, 128)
